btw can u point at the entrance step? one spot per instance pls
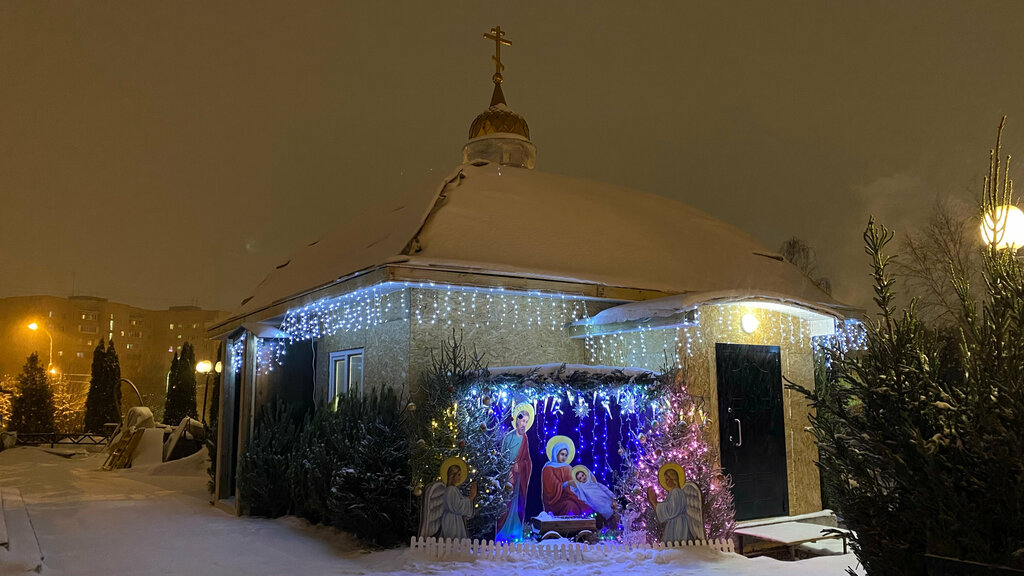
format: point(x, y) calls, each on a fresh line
point(749, 544)
point(821, 517)
point(21, 554)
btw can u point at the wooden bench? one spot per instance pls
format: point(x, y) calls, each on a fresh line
point(758, 540)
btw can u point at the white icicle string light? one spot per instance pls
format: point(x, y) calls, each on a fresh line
point(237, 353)
point(451, 306)
point(850, 335)
point(269, 353)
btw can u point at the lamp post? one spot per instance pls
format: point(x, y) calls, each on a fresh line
point(132, 384)
point(49, 365)
point(204, 367)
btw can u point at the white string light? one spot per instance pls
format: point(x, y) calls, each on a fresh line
point(465, 307)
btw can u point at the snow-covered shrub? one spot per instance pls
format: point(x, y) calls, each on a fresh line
point(370, 492)
point(263, 488)
point(321, 446)
point(922, 438)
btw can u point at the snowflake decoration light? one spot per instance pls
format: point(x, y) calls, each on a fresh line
point(581, 409)
point(628, 404)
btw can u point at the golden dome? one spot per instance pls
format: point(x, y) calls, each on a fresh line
point(498, 118)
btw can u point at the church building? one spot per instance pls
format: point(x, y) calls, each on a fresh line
point(533, 269)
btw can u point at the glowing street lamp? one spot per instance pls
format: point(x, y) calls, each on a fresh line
point(205, 367)
point(1003, 227)
point(33, 326)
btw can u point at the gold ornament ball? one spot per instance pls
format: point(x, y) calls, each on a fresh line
point(486, 400)
point(417, 491)
point(421, 443)
point(411, 407)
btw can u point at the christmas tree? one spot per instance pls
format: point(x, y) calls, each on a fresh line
point(443, 426)
point(676, 434)
point(32, 409)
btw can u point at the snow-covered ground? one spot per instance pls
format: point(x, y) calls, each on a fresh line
point(158, 521)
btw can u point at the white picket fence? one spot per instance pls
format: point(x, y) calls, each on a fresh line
point(466, 550)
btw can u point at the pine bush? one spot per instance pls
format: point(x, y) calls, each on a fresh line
point(322, 446)
point(263, 488)
point(921, 440)
point(370, 489)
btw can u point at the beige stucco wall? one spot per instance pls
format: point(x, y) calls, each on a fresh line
point(520, 330)
point(385, 347)
point(507, 330)
point(695, 349)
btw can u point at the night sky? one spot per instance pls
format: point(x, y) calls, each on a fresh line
point(165, 153)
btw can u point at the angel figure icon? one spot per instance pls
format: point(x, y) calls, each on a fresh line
point(445, 509)
point(682, 511)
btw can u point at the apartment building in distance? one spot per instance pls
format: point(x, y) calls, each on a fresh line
point(68, 330)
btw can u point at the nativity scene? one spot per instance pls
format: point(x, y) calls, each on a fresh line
point(580, 452)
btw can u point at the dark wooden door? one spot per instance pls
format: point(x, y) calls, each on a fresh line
point(752, 428)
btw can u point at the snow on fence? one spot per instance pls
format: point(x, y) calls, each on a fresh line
point(465, 549)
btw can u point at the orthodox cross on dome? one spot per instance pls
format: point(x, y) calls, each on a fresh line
point(497, 35)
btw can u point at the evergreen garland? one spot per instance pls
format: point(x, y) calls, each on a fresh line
point(32, 408)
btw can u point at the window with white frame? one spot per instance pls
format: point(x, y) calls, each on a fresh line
point(346, 374)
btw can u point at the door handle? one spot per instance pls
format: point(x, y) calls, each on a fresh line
point(739, 427)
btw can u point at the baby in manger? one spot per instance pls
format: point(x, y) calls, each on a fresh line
point(595, 494)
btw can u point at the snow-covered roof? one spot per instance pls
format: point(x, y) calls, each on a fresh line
point(670, 306)
point(524, 223)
